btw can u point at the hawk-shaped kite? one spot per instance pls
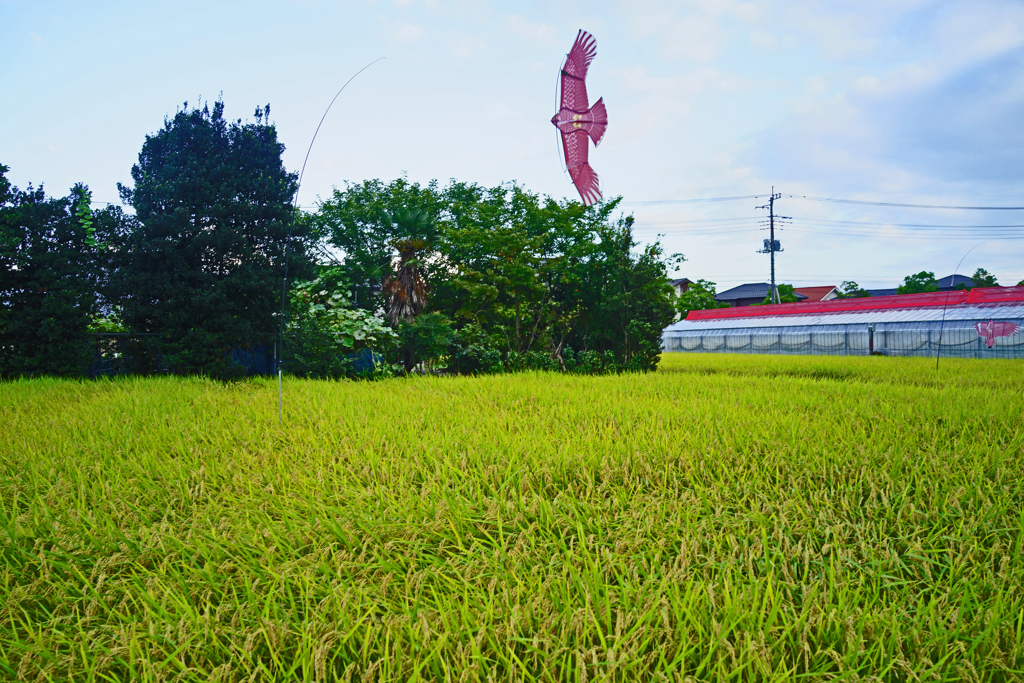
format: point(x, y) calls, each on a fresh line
point(576, 120)
point(991, 330)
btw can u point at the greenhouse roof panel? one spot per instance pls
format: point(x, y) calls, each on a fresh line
point(963, 311)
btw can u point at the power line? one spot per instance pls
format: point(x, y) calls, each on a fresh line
point(656, 202)
point(906, 206)
point(918, 235)
point(910, 225)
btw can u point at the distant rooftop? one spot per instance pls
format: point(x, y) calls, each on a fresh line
point(751, 290)
point(951, 281)
point(815, 293)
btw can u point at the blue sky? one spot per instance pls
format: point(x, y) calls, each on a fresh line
point(902, 101)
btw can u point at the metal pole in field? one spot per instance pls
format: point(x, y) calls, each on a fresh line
point(295, 203)
point(942, 324)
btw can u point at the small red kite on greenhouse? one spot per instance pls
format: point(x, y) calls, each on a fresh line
point(991, 330)
point(576, 120)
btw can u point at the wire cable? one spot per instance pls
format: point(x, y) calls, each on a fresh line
point(906, 206)
point(658, 202)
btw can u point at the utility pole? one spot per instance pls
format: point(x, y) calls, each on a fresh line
point(772, 245)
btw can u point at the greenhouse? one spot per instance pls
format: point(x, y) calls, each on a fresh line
point(979, 323)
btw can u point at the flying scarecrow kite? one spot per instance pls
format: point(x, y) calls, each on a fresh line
point(576, 120)
point(992, 330)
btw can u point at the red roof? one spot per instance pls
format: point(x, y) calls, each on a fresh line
point(814, 293)
point(987, 295)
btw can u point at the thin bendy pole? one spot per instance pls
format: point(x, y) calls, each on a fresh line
point(295, 204)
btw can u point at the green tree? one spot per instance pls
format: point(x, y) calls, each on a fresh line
point(49, 278)
point(635, 301)
point(918, 283)
point(786, 295)
point(983, 278)
point(203, 259)
point(405, 290)
point(363, 223)
point(540, 275)
point(851, 290)
point(699, 296)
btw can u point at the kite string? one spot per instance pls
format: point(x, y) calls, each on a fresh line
point(558, 107)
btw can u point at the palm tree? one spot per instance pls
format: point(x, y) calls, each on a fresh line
point(405, 291)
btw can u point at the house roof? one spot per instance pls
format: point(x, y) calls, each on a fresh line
point(680, 281)
point(890, 291)
point(954, 280)
point(751, 290)
point(815, 293)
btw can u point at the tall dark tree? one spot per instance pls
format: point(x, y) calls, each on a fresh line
point(49, 274)
point(204, 259)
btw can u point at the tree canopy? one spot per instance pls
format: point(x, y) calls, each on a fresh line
point(699, 296)
point(983, 278)
point(787, 295)
point(203, 258)
point(851, 290)
point(49, 276)
point(918, 283)
point(522, 274)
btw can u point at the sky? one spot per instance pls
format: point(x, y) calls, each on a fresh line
point(892, 102)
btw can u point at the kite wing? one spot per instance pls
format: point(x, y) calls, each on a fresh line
point(991, 330)
point(1005, 329)
point(574, 72)
point(583, 177)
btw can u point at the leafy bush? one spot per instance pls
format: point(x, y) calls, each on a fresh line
point(326, 335)
point(426, 338)
point(473, 352)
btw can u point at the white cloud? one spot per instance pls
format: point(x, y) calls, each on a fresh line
point(409, 33)
point(542, 34)
point(465, 47)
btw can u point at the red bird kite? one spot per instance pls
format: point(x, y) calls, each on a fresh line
point(990, 330)
point(576, 120)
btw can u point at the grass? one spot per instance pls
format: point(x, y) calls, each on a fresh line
point(741, 518)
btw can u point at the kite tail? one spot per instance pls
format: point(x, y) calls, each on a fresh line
point(600, 122)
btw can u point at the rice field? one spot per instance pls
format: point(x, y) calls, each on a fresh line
point(728, 518)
